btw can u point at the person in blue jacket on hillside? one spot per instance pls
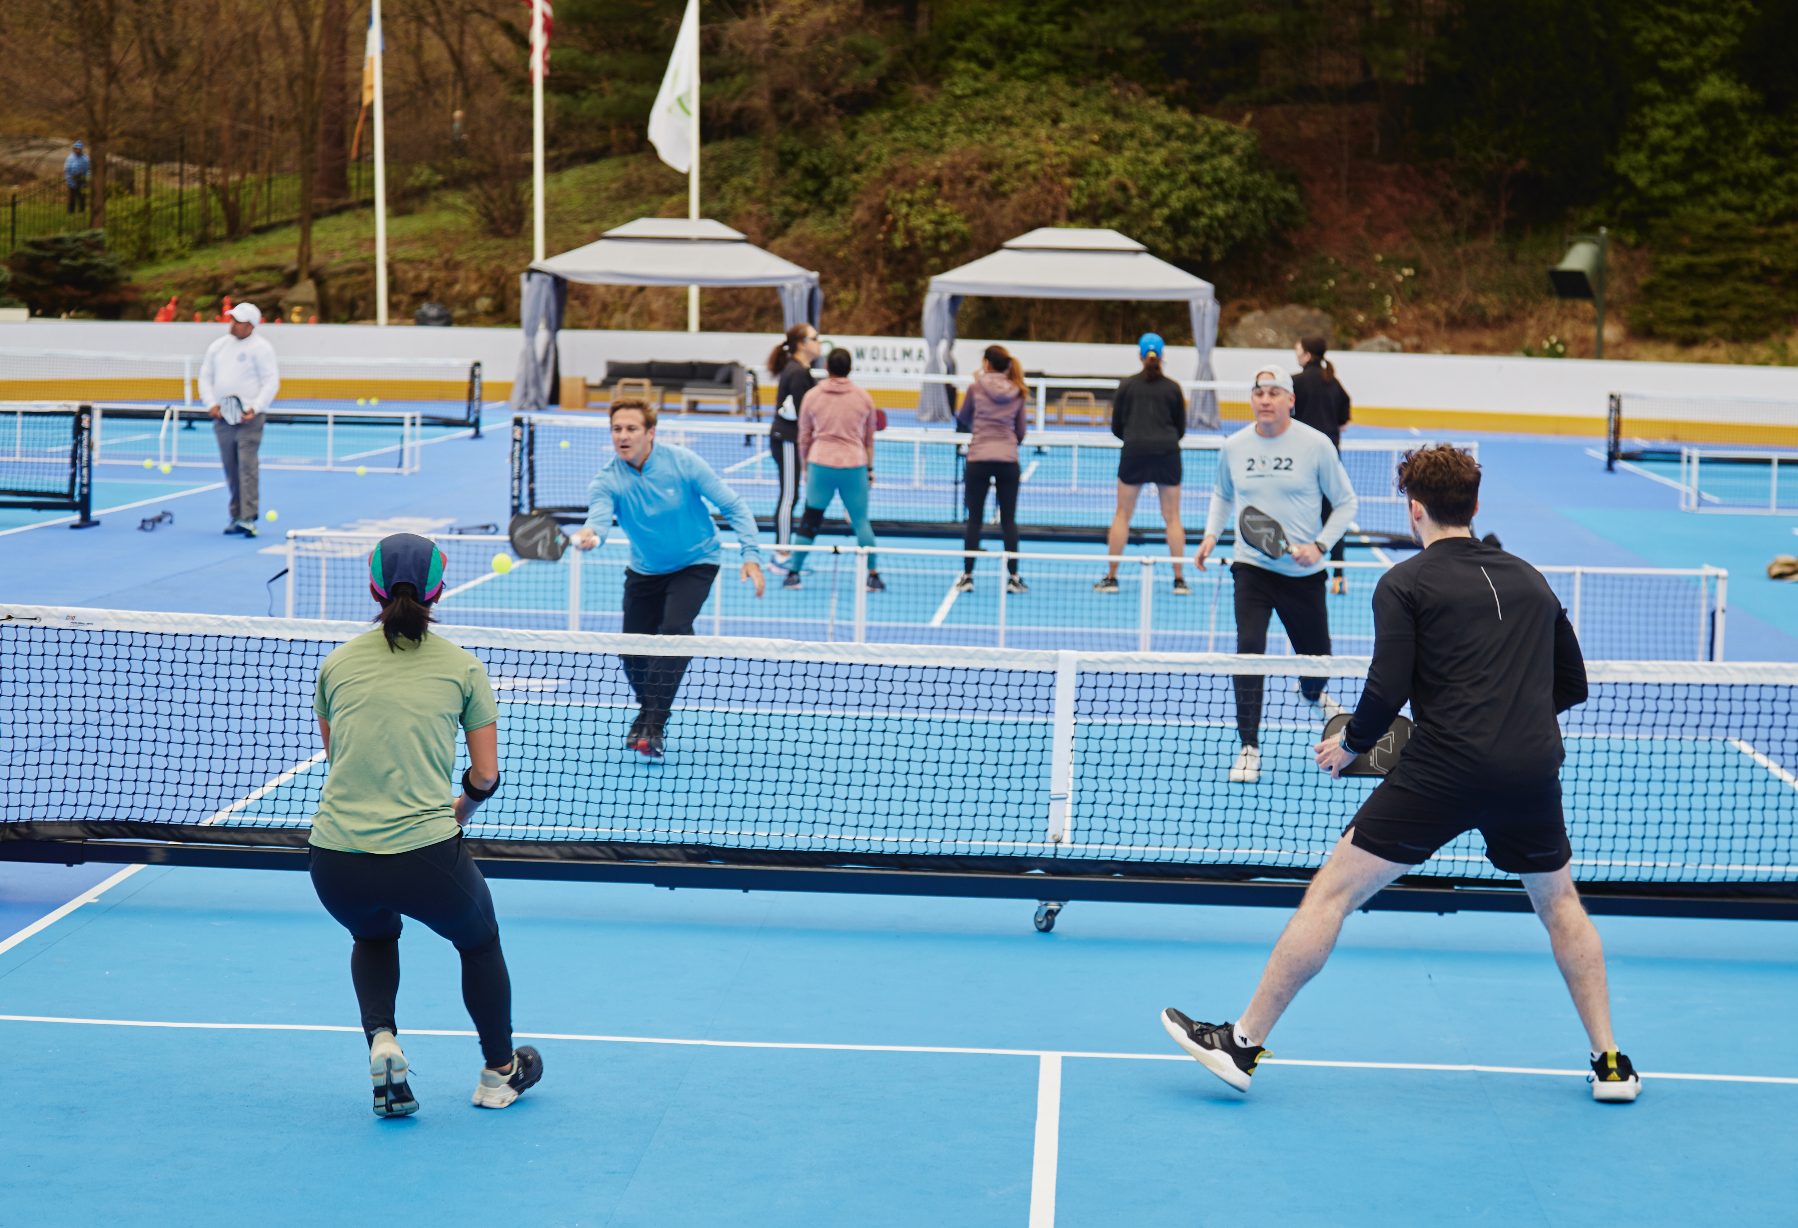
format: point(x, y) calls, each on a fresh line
point(658, 492)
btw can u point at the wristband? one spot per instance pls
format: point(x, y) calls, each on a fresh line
point(479, 795)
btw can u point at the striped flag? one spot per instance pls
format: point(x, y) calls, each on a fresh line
point(376, 42)
point(540, 49)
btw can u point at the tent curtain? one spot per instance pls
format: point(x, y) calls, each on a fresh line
point(541, 299)
point(801, 303)
point(1202, 411)
point(939, 344)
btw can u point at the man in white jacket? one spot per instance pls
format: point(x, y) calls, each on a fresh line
point(238, 383)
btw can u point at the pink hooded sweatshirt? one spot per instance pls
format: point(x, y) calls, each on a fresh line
point(993, 410)
point(836, 425)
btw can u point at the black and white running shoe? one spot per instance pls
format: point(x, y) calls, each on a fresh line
point(387, 1067)
point(964, 583)
point(649, 745)
point(1016, 584)
point(1613, 1079)
point(1108, 585)
point(875, 583)
point(636, 734)
point(496, 1090)
point(1181, 588)
point(1215, 1047)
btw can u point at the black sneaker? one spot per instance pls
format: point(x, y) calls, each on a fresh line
point(964, 583)
point(875, 583)
point(1215, 1047)
point(1016, 584)
point(496, 1091)
point(792, 580)
point(235, 527)
point(1613, 1079)
point(636, 734)
point(1108, 585)
point(1180, 587)
point(649, 744)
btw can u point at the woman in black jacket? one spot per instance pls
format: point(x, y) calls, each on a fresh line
point(1321, 402)
point(791, 362)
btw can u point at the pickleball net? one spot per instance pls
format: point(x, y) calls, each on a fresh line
point(199, 730)
point(46, 456)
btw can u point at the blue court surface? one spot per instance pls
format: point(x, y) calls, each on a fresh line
point(189, 1055)
point(185, 1041)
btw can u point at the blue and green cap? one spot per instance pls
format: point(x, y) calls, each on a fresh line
point(406, 558)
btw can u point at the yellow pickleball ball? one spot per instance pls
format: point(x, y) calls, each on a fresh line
point(502, 563)
point(564, 444)
point(361, 471)
point(271, 514)
point(168, 468)
point(362, 400)
point(148, 463)
point(374, 400)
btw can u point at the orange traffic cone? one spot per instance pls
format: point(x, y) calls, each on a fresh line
point(167, 314)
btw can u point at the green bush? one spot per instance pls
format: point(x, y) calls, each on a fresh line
point(1718, 277)
point(70, 273)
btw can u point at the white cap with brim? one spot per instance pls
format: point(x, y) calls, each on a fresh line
point(1272, 376)
point(249, 313)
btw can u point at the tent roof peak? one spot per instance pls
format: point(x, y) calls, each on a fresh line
point(1074, 239)
point(677, 228)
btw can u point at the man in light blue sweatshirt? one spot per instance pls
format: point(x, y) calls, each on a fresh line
point(1273, 477)
point(659, 492)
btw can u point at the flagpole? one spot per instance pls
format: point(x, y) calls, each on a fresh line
point(380, 175)
point(539, 53)
point(693, 180)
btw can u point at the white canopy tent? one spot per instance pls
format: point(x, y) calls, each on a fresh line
point(1064, 262)
point(651, 251)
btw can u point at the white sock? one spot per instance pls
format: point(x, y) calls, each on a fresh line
point(1243, 1040)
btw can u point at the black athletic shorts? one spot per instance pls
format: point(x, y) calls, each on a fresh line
point(1161, 469)
point(1522, 837)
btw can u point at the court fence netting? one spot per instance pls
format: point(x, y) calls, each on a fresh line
point(888, 768)
point(1623, 613)
point(1068, 491)
point(47, 459)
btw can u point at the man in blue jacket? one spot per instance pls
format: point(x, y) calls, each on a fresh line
point(658, 492)
point(75, 169)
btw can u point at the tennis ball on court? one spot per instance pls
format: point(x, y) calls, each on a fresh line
point(148, 463)
point(361, 471)
point(564, 444)
point(502, 563)
point(272, 515)
point(362, 400)
point(167, 468)
point(374, 400)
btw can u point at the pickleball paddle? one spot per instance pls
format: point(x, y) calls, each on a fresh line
point(1384, 755)
point(537, 537)
point(1261, 531)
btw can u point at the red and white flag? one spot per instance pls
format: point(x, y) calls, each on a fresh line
point(540, 43)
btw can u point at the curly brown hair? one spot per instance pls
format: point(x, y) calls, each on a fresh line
point(1445, 479)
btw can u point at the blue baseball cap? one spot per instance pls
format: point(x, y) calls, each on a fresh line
point(1151, 343)
point(407, 558)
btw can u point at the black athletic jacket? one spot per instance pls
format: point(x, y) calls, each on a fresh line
point(1478, 643)
point(1149, 416)
point(1321, 404)
point(795, 381)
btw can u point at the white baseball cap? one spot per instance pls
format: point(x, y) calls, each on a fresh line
point(249, 313)
point(1272, 376)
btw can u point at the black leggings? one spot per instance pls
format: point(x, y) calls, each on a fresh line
point(1299, 601)
point(786, 469)
point(662, 605)
point(1004, 477)
point(440, 886)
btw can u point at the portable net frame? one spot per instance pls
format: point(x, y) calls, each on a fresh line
point(883, 768)
point(47, 458)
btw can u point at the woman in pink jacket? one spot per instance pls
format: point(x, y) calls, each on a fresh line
point(993, 411)
point(836, 447)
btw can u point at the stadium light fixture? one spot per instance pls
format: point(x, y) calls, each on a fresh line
point(1581, 274)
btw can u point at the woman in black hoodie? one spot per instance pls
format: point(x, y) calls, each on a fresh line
point(1321, 402)
point(791, 362)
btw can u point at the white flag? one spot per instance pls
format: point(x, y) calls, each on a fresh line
point(671, 119)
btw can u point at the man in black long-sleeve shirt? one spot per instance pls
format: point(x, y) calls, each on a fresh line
point(1477, 643)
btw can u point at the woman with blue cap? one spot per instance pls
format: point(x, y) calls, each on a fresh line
point(387, 839)
point(1149, 415)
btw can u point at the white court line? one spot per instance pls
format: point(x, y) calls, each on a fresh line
point(87, 897)
point(1651, 476)
point(1761, 759)
point(942, 611)
point(491, 575)
point(1025, 476)
point(268, 787)
point(1452, 1068)
point(123, 507)
point(1048, 1141)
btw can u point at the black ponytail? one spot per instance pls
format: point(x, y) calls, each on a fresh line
point(1317, 347)
point(402, 614)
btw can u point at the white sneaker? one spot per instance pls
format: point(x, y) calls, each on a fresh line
point(964, 583)
point(496, 1090)
point(1327, 706)
point(387, 1068)
point(1247, 768)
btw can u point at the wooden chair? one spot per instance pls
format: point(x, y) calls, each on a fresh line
point(1081, 406)
point(636, 390)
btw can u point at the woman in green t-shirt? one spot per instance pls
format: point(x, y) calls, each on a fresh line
point(387, 839)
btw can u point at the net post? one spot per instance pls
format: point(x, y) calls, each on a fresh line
point(861, 595)
point(518, 430)
point(292, 557)
point(1613, 432)
point(1578, 574)
point(331, 441)
point(1145, 607)
point(574, 589)
point(187, 380)
point(1061, 748)
point(82, 459)
point(475, 393)
point(1722, 614)
point(1042, 403)
point(1005, 558)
